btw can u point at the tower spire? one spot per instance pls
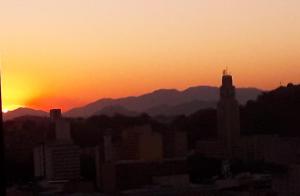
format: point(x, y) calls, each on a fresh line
point(225, 71)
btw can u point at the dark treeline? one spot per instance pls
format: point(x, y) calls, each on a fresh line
point(274, 112)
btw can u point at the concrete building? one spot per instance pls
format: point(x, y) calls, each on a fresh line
point(55, 114)
point(228, 115)
point(288, 183)
point(135, 174)
point(175, 143)
point(245, 186)
point(141, 143)
point(138, 143)
point(269, 148)
point(136, 160)
point(62, 131)
point(213, 149)
point(58, 159)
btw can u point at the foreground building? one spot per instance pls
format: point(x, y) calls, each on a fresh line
point(58, 160)
point(136, 160)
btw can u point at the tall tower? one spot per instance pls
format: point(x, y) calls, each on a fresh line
point(55, 115)
point(228, 115)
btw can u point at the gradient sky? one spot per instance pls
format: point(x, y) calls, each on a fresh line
point(65, 53)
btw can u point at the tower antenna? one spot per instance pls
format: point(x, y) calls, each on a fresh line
point(225, 71)
point(281, 84)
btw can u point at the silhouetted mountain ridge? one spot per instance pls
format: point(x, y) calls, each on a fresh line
point(114, 110)
point(159, 102)
point(203, 96)
point(20, 112)
point(181, 109)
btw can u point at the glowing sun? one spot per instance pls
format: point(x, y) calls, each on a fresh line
point(5, 110)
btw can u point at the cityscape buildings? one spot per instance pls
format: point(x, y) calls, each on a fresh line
point(141, 160)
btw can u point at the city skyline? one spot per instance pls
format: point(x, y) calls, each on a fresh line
point(117, 49)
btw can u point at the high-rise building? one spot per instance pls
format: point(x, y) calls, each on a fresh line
point(58, 159)
point(175, 143)
point(136, 159)
point(55, 114)
point(228, 115)
point(63, 130)
point(141, 143)
point(227, 144)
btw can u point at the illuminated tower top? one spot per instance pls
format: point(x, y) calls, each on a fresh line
point(227, 90)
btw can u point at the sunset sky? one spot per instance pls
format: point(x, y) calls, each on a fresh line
point(66, 53)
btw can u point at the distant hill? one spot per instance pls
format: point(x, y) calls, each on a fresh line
point(166, 101)
point(20, 112)
point(181, 109)
point(114, 110)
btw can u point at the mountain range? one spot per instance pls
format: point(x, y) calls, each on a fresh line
point(24, 112)
point(159, 102)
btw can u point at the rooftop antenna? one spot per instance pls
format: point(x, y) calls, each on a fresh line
point(225, 71)
point(2, 146)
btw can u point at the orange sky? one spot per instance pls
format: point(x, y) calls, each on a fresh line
point(65, 53)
